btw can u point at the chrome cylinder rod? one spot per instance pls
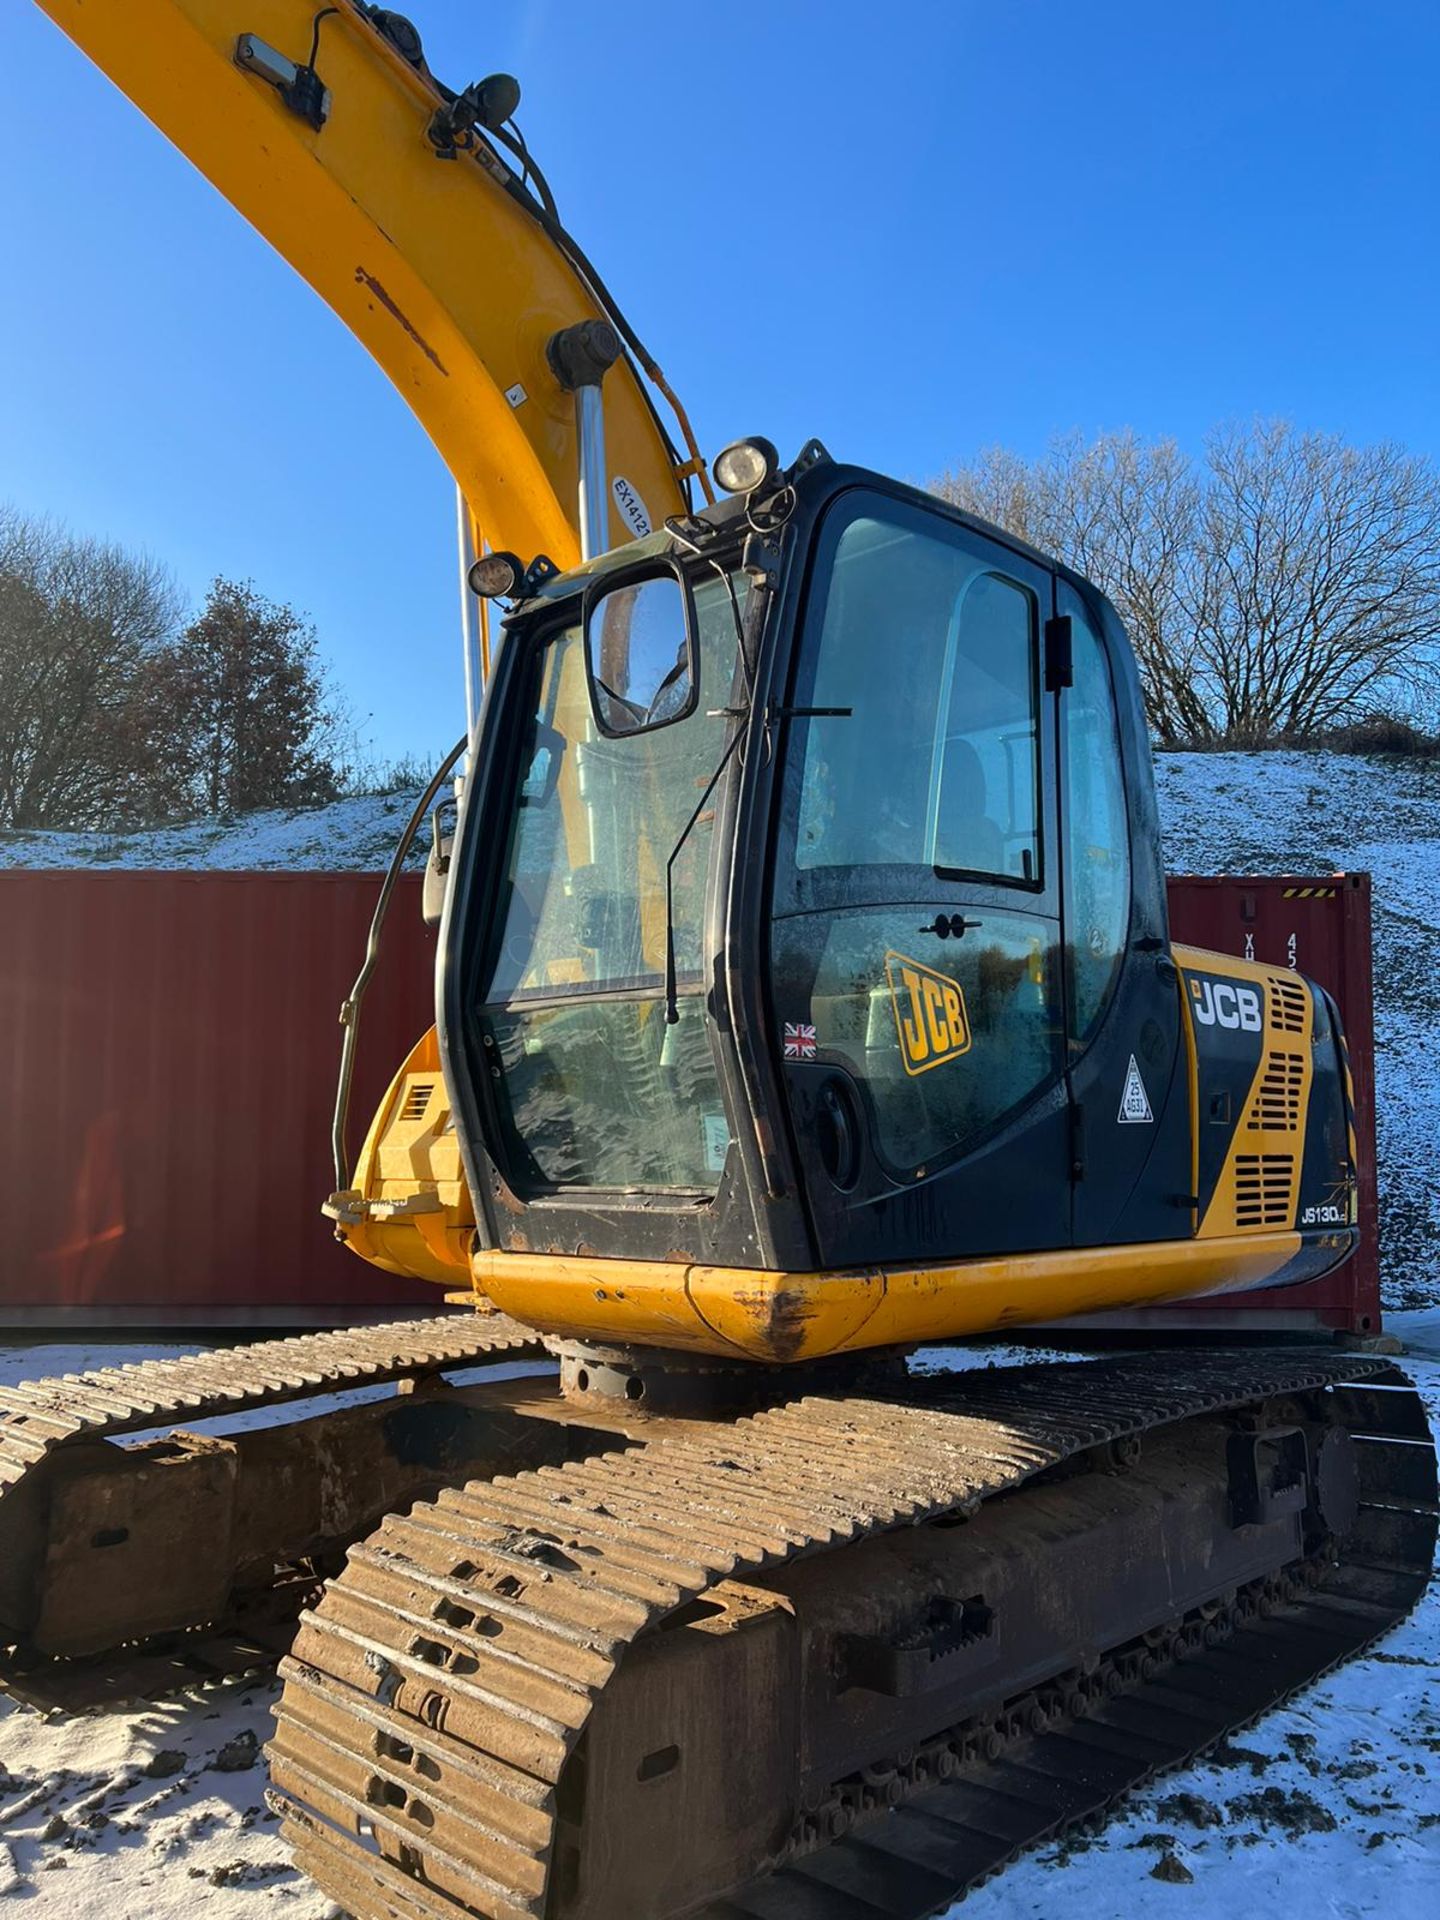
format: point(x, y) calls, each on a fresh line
point(594, 482)
point(580, 357)
point(469, 612)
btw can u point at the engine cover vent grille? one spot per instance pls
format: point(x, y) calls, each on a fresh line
point(1264, 1189)
point(417, 1099)
point(1276, 1106)
point(1288, 1005)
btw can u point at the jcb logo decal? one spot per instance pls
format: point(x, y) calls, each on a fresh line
point(930, 1014)
point(1220, 1004)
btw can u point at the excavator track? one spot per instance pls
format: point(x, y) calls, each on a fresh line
point(99, 1599)
point(576, 1692)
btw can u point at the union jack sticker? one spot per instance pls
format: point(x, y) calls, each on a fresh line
point(799, 1040)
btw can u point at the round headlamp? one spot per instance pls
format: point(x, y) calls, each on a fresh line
point(746, 465)
point(495, 576)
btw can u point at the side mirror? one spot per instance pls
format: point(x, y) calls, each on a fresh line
point(437, 867)
point(641, 658)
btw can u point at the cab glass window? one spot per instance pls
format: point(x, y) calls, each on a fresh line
point(591, 1086)
point(595, 822)
point(1097, 833)
point(926, 751)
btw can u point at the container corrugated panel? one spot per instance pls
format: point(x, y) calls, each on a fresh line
point(166, 1080)
point(169, 1060)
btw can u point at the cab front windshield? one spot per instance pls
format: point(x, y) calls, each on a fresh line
point(594, 1088)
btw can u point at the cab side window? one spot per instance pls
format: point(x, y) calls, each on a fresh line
point(985, 791)
point(1097, 834)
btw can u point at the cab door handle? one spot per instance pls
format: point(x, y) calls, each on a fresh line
point(946, 925)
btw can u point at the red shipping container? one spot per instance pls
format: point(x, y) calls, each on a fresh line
point(172, 1045)
point(170, 1054)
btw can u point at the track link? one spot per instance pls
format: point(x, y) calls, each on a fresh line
point(54, 1430)
point(433, 1700)
point(40, 1415)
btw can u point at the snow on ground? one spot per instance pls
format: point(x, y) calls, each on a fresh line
point(351, 836)
point(125, 1817)
point(1328, 1807)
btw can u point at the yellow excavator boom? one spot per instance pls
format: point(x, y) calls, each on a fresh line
point(325, 127)
point(412, 233)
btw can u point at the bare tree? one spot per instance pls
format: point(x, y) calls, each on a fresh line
point(1268, 593)
point(1133, 528)
point(1126, 515)
point(78, 621)
point(1319, 577)
point(1010, 492)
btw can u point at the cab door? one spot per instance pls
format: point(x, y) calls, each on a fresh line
point(1129, 1087)
point(917, 994)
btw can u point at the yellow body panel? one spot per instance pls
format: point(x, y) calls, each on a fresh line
point(785, 1317)
point(410, 1210)
point(1262, 1164)
point(779, 1317)
point(448, 283)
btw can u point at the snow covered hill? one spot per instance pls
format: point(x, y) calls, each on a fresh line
point(1221, 812)
point(349, 836)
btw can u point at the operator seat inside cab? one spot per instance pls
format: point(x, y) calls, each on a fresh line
point(966, 836)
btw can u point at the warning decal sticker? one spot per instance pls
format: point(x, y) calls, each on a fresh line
point(1134, 1102)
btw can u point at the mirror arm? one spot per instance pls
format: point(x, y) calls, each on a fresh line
point(437, 842)
point(672, 1011)
point(632, 706)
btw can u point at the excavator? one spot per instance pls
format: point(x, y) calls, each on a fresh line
point(805, 1008)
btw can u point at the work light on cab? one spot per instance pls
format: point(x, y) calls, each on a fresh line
point(746, 465)
point(496, 576)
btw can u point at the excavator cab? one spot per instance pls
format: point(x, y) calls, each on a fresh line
point(807, 936)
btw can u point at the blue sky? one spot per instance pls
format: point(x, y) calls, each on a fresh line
point(913, 228)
